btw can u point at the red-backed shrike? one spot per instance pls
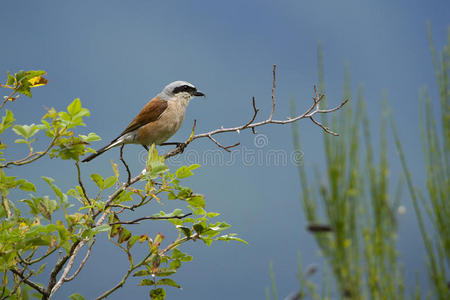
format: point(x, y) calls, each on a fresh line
point(158, 120)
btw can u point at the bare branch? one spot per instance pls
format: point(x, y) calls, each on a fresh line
point(77, 164)
point(255, 112)
point(273, 92)
point(16, 286)
point(31, 157)
point(308, 114)
point(226, 148)
point(124, 163)
point(88, 253)
point(32, 284)
point(326, 129)
point(137, 221)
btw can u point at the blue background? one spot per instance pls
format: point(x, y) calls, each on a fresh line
point(115, 55)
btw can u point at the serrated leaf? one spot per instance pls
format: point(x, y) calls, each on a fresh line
point(175, 264)
point(163, 272)
point(169, 282)
point(142, 273)
point(146, 282)
point(158, 294)
point(186, 258)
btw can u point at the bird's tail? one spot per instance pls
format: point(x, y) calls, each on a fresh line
point(101, 150)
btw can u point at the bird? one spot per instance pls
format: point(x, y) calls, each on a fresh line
point(158, 120)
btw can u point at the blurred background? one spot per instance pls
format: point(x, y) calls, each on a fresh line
point(115, 55)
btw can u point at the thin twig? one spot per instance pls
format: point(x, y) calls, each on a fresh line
point(326, 129)
point(88, 253)
point(124, 163)
point(11, 96)
point(32, 284)
point(125, 277)
point(17, 285)
point(226, 148)
point(77, 164)
point(308, 114)
point(28, 262)
point(255, 112)
point(273, 91)
point(56, 269)
point(137, 221)
point(31, 158)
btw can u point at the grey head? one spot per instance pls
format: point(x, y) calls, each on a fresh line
point(181, 88)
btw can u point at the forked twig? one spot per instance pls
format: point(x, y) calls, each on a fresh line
point(308, 114)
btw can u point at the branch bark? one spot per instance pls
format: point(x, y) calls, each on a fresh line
point(308, 114)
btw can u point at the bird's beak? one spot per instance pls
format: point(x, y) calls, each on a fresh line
point(199, 94)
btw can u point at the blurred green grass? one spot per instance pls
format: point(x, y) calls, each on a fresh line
point(352, 206)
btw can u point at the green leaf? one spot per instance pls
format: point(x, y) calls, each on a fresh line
point(20, 141)
point(27, 186)
point(41, 268)
point(207, 240)
point(76, 296)
point(109, 182)
point(102, 228)
point(26, 131)
point(185, 171)
point(196, 201)
point(199, 228)
point(142, 273)
point(186, 231)
point(146, 282)
point(175, 264)
point(158, 294)
point(74, 107)
point(163, 272)
point(155, 164)
point(20, 130)
point(124, 235)
point(98, 180)
point(231, 237)
point(169, 282)
point(212, 214)
point(7, 121)
point(91, 137)
point(132, 241)
point(11, 80)
point(55, 189)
